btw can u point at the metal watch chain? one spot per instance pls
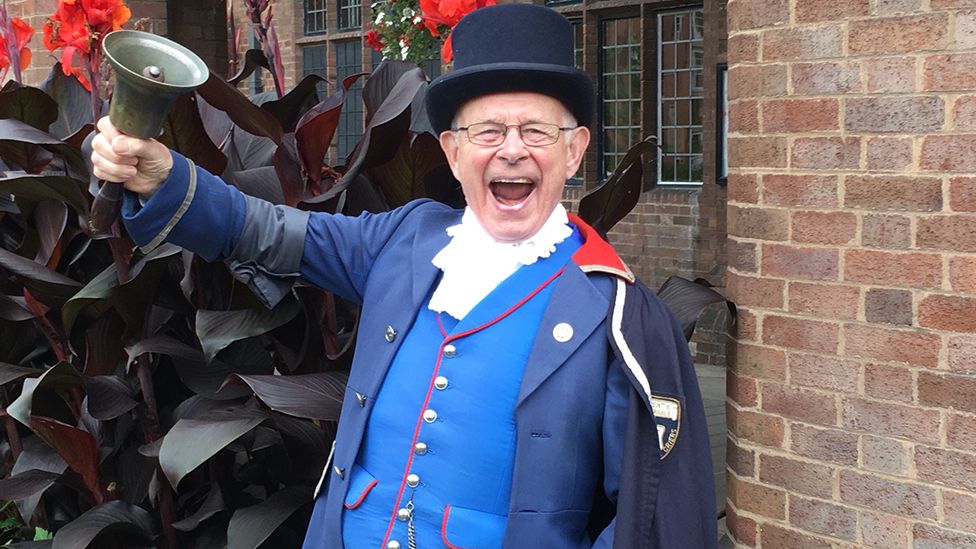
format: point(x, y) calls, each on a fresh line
point(411, 530)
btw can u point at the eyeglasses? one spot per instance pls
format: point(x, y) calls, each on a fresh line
point(533, 134)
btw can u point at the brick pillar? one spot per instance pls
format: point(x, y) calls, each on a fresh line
point(852, 256)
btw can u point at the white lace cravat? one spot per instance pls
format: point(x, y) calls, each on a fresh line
point(474, 263)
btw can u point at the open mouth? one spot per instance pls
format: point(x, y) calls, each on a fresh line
point(511, 192)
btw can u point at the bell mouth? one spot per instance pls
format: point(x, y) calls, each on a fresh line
point(141, 55)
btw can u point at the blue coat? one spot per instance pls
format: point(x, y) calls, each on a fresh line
point(579, 399)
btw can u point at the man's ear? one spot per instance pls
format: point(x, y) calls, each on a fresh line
point(577, 148)
point(449, 145)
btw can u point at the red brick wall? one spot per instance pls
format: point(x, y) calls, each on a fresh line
point(852, 256)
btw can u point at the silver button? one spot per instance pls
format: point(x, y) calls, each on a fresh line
point(339, 471)
point(450, 351)
point(361, 399)
point(390, 334)
point(440, 382)
point(413, 480)
point(404, 514)
point(420, 448)
point(562, 332)
point(430, 416)
point(393, 544)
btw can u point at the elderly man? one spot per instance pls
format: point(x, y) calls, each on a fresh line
point(513, 385)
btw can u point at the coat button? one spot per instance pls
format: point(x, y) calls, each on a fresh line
point(390, 334)
point(562, 332)
point(404, 514)
point(430, 416)
point(361, 399)
point(450, 351)
point(393, 544)
point(413, 480)
point(440, 382)
point(339, 471)
point(420, 448)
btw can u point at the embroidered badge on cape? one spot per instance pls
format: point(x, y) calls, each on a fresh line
point(667, 415)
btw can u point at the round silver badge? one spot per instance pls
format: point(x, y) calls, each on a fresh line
point(562, 332)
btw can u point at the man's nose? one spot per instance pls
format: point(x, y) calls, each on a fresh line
point(512, 148)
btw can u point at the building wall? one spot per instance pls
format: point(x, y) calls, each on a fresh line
point(852, 257)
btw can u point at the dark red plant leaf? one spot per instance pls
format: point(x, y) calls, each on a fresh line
point(215, 121)
point(73, 103)
point(40, 456)
point(210, 507)
point(191, 442)
point(407, 175)
point(9, 372)
point(50, 217)
point(49, 187)
point(27, 104)
point(258, 182)
point(293, 182)
point(49, 287)
point(26, 484)
point(47, 395)
point(252, 118)
point(382, 81)
point(382, 137)
point(609, 203)
point(163, 345)
point(218, 329)
point(14, 309)
point(247, 356)
point(16, 134)
point(311, 396)
point(78, 449)
point(688, 299)
point(103, 344)
point(290, 108)
point(307, 443)
point(135, 473)
point(183, 132)
point(115, 516)
point(246, 151)
point(253, 60)
point(251, 526)
point(316, 128)
point(108, 397)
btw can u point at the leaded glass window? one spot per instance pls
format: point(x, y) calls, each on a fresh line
point(314, 16)
point(680, 80)
point(620, 86)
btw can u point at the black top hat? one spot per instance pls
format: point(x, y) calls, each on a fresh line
point(511, 48)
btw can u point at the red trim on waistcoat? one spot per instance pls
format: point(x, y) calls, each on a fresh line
point(362, 496)
point(430, 391)
point(596, 254)
point(447, 512)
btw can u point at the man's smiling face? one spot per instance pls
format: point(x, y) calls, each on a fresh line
point(512, 188)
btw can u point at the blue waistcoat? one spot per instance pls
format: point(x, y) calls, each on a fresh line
point(439, 447)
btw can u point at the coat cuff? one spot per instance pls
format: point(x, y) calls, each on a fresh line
point(150, 223)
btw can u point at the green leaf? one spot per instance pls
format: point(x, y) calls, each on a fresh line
point(191, 442)
point(251, 526)
point(41, 534)
point(218, 329)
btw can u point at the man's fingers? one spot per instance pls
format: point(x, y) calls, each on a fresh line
point(106, 128)
point(102, 147)
point(111, 171)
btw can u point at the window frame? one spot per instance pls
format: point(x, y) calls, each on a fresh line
point(347, 7)
point(312, 14)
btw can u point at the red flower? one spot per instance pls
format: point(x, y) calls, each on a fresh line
point(448, 13)
point(373, 40)
point(78, 27)
point(16, 44)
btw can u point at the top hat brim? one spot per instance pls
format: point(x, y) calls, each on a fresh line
point(569, 85)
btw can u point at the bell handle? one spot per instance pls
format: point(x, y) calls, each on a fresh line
point(105, 211)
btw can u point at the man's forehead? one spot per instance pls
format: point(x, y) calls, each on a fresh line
point(523, 106)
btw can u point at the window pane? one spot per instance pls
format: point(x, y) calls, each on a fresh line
point(349, 14)
point(620, 89)
point(348, 62)
point(680, 119)
point(313, 62)
point(314, 16)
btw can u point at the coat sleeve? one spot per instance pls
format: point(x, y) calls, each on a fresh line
point(266, 246)
point(667, 493)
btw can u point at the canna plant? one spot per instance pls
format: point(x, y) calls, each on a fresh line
point(169, 407)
